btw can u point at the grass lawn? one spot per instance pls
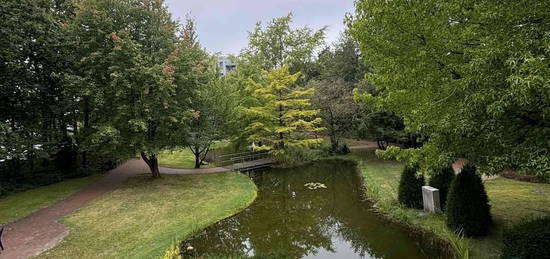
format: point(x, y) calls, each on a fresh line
point(20, 205)
point(144, 217)
point(511, 201)
point(183, 158)
point(348, 142)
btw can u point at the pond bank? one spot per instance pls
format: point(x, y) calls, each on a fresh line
point(512, 201)
point(316, 210)
point(144, 216)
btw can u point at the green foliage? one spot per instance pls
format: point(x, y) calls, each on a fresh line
point(527, 240)
point(410, 188)
point(337, 109)
point(442, 181)
point(384, 127)
point(295, 156)
point(343, 61)
point(468, 209)
point(473, 76)
point(278, 44)
point(174, 252)
point(281, 116)
point(196, 74)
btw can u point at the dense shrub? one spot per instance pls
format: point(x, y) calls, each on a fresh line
point(410, 188)
point(530, 239)
point(442, 181)
point(468, 208)
point(294, 156)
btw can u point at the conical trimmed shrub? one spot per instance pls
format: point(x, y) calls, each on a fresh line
point(468, 208)
point(442, 181)
point(410, 188)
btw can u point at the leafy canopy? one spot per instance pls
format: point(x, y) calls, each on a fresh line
point(473, 76)
point(282, 113)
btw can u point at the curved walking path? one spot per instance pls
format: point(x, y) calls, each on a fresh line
point(40, 231)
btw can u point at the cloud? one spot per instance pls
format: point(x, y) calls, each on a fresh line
point(223, 25)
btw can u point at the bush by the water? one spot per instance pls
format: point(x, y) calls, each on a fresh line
point(294, 156)
point(530, 239)
point(442, 181)
point(410, 188)
point(468, 208)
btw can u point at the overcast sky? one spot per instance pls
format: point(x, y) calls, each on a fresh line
point(223, 25)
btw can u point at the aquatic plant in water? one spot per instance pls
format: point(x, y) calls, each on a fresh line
point(315, 186)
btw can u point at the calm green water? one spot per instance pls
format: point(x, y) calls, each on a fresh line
point(289, 220)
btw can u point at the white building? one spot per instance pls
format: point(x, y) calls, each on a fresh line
point(225, 65)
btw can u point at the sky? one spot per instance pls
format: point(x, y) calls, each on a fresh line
point(223, 25)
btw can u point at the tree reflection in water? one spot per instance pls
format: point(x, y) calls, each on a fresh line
point(288, 220)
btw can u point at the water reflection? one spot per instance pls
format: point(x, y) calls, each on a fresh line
point(288, 220)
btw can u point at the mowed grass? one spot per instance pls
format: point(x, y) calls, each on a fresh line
point(511, 202)
point(142, 218)
point(20, 205)
point(181, 158)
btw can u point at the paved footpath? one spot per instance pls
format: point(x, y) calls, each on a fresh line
point(40, 231)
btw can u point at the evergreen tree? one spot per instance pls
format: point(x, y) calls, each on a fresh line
point(282, 114)
point(442, 181)
point(410, 188)
point(468, 208)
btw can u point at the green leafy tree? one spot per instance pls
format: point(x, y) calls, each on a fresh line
point(37, 107)
point(201, 90)
point(383, 127)
point(128, 99)
point(282, 114)
point(342, 61)
point(473, 76)
point(337, 108)
point(278, 44)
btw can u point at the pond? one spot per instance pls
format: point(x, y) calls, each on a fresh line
point(295, 216)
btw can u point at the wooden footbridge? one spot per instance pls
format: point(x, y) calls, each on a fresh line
point(245, 161)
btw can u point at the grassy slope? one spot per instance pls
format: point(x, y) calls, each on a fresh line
point(144, 217)
point(21, 204)
point(511, 202)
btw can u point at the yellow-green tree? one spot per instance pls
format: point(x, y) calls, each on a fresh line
point(282, 115)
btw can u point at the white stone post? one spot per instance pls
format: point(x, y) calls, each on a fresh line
point(430, 197)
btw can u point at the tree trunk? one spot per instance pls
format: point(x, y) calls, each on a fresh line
point(197, 160)
point(153, 164)
point(382, 144)
point(333, 142)
point(86, 129)
point(281, 124)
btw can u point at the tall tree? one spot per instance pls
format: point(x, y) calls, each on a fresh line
point(196, 76)
point(282, 115)
point(36, 106)
point(342, 61)
point(278, 44)
point(129, 102)
point(334, 99)
point(474, 76)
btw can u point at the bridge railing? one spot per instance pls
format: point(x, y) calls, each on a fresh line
point(231, 159)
